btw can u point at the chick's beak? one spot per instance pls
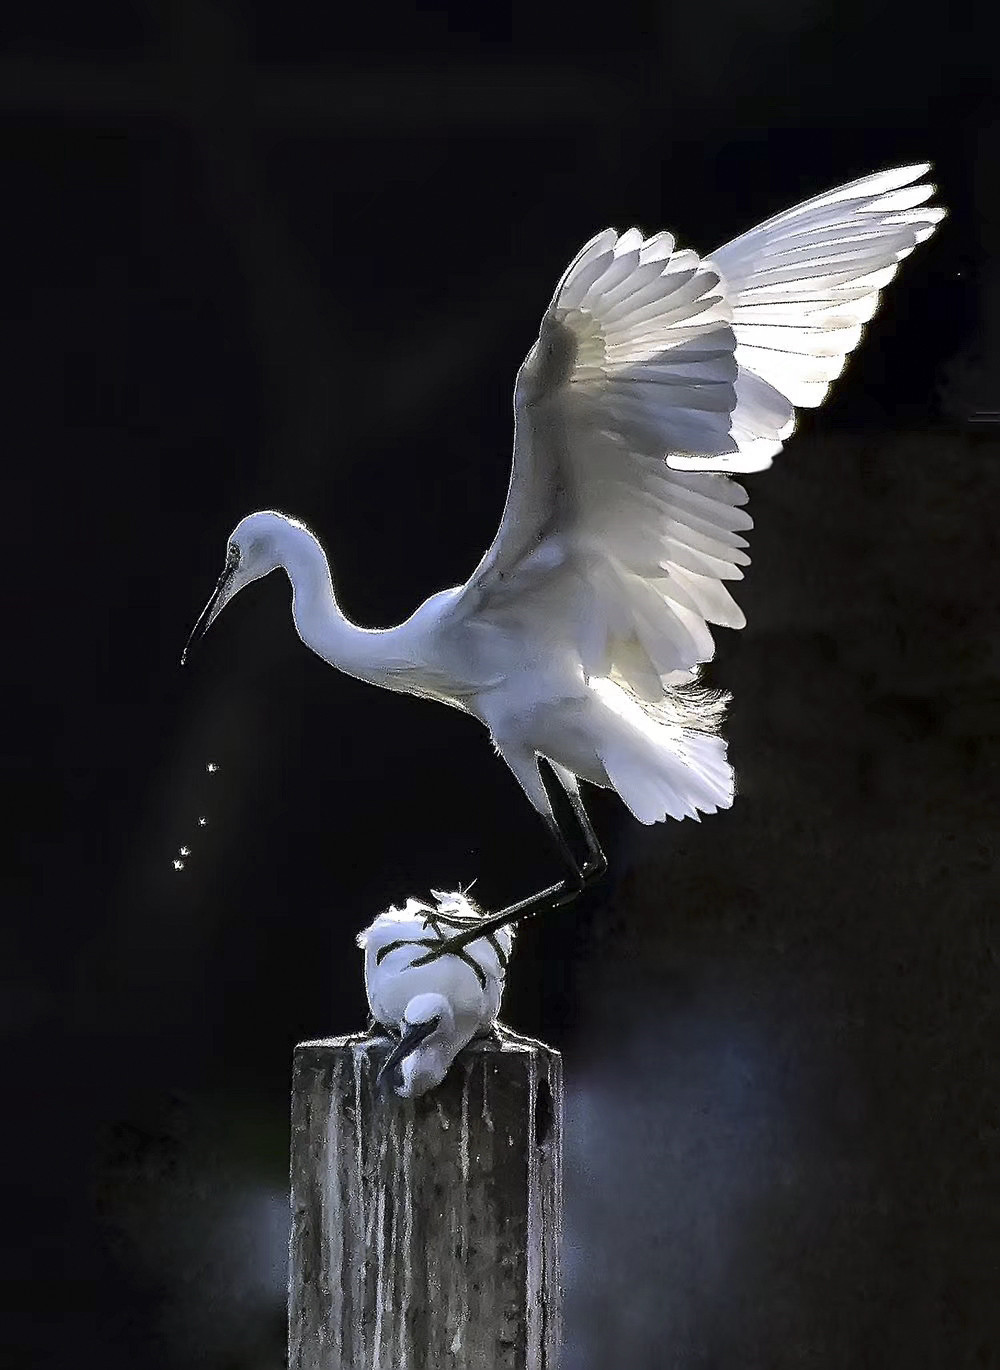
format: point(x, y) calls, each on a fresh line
point(385, 1080)
point(216, 603)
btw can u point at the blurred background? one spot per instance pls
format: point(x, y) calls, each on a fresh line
point(290, 255)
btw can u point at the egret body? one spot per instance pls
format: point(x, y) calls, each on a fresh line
point(656, 375)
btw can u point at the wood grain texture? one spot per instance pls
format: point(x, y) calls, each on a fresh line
point(426, 1233)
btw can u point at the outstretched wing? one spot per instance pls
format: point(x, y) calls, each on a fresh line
point(801, 288)
point(650, 360)
point(623, 559)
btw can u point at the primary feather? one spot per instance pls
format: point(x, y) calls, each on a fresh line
point(801, 287)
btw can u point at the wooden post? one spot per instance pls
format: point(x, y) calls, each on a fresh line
point(426, 1232)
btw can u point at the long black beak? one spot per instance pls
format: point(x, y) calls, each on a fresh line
point(384, 1080)
point(215, 603)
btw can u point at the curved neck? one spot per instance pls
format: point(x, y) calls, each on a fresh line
point(369, 654)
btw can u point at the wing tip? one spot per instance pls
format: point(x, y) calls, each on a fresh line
point(599, 243)
point(912, 170)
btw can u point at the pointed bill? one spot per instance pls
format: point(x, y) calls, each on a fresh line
point(217, 601)
point(401, 1050)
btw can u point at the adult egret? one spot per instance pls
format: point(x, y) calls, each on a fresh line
point(579, 636)
point(434, 1009)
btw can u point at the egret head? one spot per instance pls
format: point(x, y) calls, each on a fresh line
point(254, 549)
point(426, 1048)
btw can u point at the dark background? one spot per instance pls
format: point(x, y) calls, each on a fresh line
point(291, 255)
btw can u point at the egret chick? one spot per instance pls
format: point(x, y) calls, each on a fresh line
point(436, 1008)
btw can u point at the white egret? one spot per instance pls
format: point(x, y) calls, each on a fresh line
point(579, 636)
point(435, 1008)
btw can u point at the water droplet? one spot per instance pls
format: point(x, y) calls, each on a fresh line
point(202, 822)
point(178, 865)
point(185, 851)
point(211, 768)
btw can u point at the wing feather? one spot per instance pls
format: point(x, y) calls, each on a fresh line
point(654, 374)
point(802, 286)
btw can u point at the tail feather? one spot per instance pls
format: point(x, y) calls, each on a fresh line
point(669, 761)
point(661, 783)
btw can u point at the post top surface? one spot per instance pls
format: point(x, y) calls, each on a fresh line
point(504, 1041)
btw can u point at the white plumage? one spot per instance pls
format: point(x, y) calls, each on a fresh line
point(437, 1008)
point(656, 372)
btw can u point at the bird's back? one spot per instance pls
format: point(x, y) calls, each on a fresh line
point(472, 983)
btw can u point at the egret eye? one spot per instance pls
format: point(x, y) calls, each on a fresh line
point(232, 555)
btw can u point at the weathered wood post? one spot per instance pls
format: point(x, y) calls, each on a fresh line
point(426, 1232)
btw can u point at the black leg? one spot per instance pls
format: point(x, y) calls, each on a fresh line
point(553, 897)
point(596, 863)
point(574, 869)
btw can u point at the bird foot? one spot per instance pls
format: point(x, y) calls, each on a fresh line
point(553, 897)
point(578, 878)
